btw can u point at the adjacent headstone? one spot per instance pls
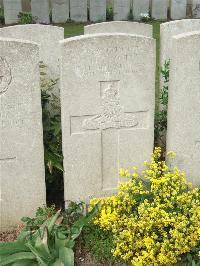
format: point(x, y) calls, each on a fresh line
point(26, 6)
point(140, 8)
point(159, 9)
point(196, 8)
point(11, 10)
point(40, 11)
point(120, 27)
point(169, 30)
point(21, 139)
point(97, 10)
point(47, 37)
point(178, 9)
point(107, 110)
point(184, 109)
point(60, 11)
point(78, 10)
point(121, 9)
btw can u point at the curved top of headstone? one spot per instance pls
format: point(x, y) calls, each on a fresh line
point(170, 29)
point(119, 27)
point(36, 27)
point(178, 22)
point(192, 34)
point(107, 36)
point(46, 36)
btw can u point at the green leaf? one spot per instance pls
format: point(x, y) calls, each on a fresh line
point(38, 255)
point(52, 221)
point(78, 226)
point(58, 262)
point(41, 245)
point(23, 236)
point(21, 256)
point(24, 263)
point(12, 247)
point(193, 263)
point(66, 255)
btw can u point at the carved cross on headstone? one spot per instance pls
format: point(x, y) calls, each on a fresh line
point(109, 122)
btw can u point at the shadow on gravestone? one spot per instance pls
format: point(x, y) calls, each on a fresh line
point(183, 135)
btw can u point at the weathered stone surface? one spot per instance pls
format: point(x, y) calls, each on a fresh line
point(178, 9)
point(107, 110)
point(78, 10)
point(46, 36)
point(11, 10)
point(21, 140)
point(184, 109)
point(196, 8)
point(40, 11)
point(140, 7)
point(60, 11)
point(159, 9)
point(120, 27)
point(97, 10)
point(121, 9)
point(170, 29)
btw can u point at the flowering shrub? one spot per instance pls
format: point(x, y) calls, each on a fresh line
point(145, 17)
point(154, 218)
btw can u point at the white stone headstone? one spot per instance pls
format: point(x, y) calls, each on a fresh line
point(169, 30)
point(178, 9)
point(107, 110)
point(97, 10)
point(40, 11)
point(78, 10)
point(47, 37)
point(183, 135)
point(140, 7)
point(196, 8)
point(159, 9)
point(121, 9)
point(22, 174)
point(120, 27)
point(60, 11)
point(12, 8)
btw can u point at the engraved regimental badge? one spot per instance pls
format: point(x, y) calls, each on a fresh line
point(5, 75)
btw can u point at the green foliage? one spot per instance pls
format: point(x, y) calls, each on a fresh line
point(146, 17)
point(193, 258)
point(42, 214)
point(154, 217)
point(109, 13)
point(2, 19)
point(51, 124)
point(130, 16)
point(47, 239)
point(99, 243)
point(51, 116)
point(25, 18)
point(161, 116)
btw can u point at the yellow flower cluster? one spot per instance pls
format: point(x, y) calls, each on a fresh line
point(154, 218)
